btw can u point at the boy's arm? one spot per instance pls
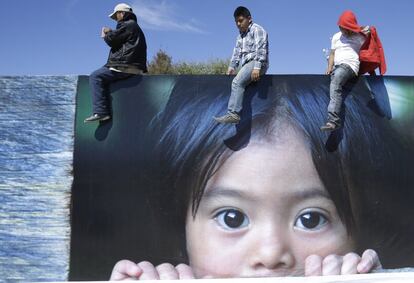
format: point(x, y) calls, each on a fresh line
point(330, 62)
point(235, 58)
point(115, 38)
point(260, 37)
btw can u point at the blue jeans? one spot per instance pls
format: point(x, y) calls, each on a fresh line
point(339, 77)
point(239, 84)
point(99, 83)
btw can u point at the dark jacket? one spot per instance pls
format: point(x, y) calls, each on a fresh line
point(128, 46)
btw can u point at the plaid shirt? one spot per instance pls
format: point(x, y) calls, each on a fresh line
point(251, 45)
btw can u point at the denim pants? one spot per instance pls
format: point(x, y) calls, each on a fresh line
point(239, 84)
point(339, 77)
point(99, 82)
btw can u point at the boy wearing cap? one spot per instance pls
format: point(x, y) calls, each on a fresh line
point(343, 64)
point(127, 57)
point(251, 53)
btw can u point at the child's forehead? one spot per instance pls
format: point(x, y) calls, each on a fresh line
point(268, 166)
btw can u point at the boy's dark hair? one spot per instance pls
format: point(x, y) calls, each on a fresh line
point(242, 11)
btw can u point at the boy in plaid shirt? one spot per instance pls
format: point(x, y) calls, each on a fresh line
point(251, 53)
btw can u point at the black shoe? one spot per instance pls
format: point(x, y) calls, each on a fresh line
point(330, 126)
point(229, 118)
point(97, 117)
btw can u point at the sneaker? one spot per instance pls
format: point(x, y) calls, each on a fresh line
point(97, 117)
point(330, 126)
point(229, 118)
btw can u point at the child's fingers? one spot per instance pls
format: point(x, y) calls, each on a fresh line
point(148, 271)
point(125, 269)
point(331, 265)
point(349, 264)
point(369, 261)
point(313, 265)
point(184, 271)
point(167, 271)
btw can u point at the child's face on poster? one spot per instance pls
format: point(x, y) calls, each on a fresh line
point(263, 213)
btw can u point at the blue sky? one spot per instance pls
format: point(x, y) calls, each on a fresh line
point(57, 37)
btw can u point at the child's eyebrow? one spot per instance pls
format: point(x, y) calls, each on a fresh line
point(218, 192)
point(296, 195)
point(310, 193)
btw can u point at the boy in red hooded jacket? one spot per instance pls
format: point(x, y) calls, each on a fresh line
point(343, 64)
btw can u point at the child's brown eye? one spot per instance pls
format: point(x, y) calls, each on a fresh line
point(232, 219)
point(311, 221)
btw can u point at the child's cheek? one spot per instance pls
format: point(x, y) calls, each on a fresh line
point(215, 269)
point(330, 243)
point(217, 257)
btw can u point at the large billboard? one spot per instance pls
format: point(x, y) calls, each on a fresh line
point(162, 182)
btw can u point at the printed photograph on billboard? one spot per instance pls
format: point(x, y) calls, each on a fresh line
point(271, 196)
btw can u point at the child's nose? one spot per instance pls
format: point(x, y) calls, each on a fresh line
point(272, 253)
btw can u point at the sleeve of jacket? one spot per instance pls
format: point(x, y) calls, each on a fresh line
point(235, 58)
point(119, 36)
point(261, 41)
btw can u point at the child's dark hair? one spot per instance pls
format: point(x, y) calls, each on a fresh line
point(242, 11)
point(364, 167)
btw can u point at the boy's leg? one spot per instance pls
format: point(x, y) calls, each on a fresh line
point(339, 78)
point(242, 79)
point(99, 83)
point(238, 86)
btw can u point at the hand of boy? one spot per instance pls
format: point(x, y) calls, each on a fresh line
point(350, 263)
point(255, 75)
point(366, 30)
point(128, 270)
point(328, 71)
point(231, 71)
point(104, 31)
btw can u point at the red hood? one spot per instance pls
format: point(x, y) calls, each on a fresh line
point(348, 21)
